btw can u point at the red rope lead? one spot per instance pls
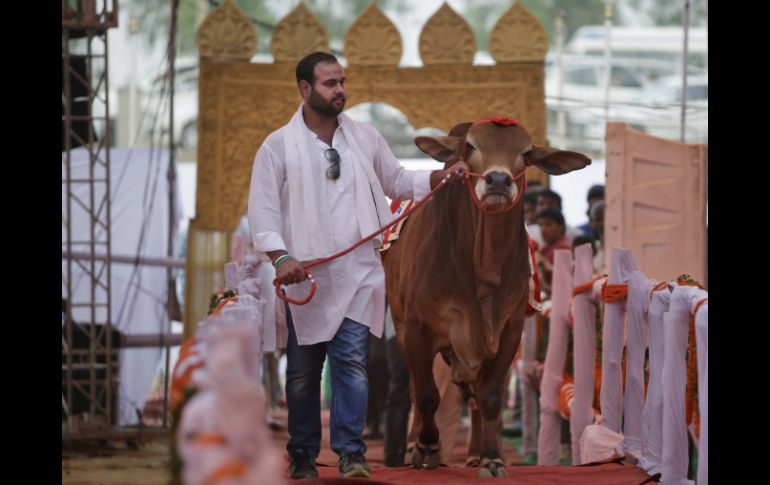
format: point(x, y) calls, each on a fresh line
point(371, 236)
point(313, 287)
point(498, 121)
point(505, 208)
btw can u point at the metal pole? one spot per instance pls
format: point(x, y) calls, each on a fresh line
point(94, 384)
point(171, 198)
point(133, 27)
point(706, 7)
point(68, 156)
point(92, 203)
point(686, 21)
point(607, 66)
point(108, 144)
point(561, 124)
point(117, 258)
point(706, 219)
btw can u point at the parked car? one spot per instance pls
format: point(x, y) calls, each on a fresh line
point(584, 81)
point(663, 105)
point(657, 111)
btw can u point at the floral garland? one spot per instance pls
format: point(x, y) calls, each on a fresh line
point(185, 391)
point(646, 371)
point(219, 299)
point(541, 335)
point(599, 323)
point(692, 415)
point(175, 462)
point(686, 280)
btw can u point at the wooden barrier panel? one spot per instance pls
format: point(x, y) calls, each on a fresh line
point(655, 200)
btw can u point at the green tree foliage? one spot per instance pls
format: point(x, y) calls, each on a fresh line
point(483, 14)
point(154, 20)
point(338, 15)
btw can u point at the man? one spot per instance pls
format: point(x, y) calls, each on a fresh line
point(552, 229)
point(596, 224)
point(397, 402)
point(595, 194)
point(548, 198)
point(530, 216)
point(318, 186)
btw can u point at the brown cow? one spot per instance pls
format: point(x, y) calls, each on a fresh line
point(457, 279)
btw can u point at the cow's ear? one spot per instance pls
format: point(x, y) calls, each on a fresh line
point(554, 161)
point(461, 129)
point(445, 149)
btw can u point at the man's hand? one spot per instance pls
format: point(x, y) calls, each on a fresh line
point(290, 272)
point(457, 172)
point(535, 375)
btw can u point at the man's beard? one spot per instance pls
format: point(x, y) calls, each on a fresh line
point(318, 103)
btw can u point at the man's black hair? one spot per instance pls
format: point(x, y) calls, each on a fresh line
point(550, 194)
point(306, 66)
point(595, 192)
point(530, 198)
point(552, 213)
point(582, 239)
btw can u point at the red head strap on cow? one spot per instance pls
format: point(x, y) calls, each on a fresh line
point(499, 121)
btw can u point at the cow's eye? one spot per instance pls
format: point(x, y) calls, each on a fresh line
point(470, 147)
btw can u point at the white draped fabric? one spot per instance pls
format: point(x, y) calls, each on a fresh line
point(584, 349)
point(584, 343)
point(702, 341)
point(611, 397)
point(652, 448)
point(636, 345)
point(139, 227)
point(556, 355)
point(675, 331)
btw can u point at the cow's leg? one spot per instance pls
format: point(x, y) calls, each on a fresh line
point(490, 399)
point(416, 426)
point(474, 447)
point(447, 415)
point(426, 397)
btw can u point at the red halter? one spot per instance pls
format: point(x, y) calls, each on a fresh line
point(499, 121)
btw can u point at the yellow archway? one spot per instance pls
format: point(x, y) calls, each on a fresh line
point(240, 102)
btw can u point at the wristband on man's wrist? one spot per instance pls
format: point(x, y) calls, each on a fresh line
point(281, 259)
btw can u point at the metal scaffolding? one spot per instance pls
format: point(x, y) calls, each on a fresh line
point(89, 358)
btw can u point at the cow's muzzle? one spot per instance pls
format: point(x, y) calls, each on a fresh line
point(498, 183)
point(499, 188)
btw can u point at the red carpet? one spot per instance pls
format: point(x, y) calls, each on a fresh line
point(605, 474)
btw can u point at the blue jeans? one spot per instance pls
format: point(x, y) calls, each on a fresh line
point(347, 353)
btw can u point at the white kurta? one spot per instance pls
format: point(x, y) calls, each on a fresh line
point(352, 286)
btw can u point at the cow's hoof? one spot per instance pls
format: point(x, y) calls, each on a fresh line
point(427, 454)
point(473, 461)
point(492, 468)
